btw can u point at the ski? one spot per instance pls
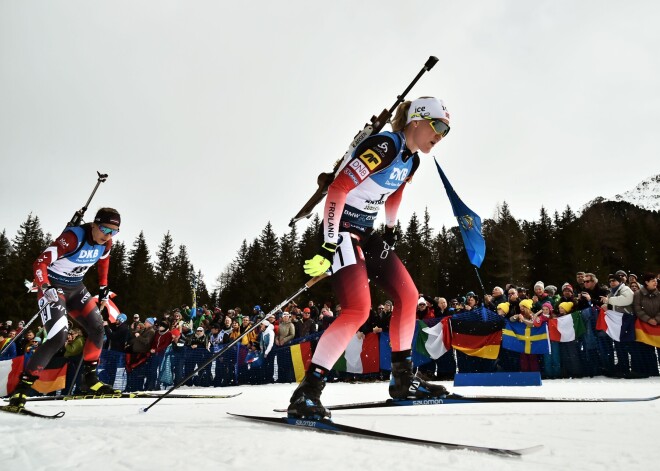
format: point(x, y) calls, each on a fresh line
point(129, 395)
point(22, 411)
point(326, 425)
point(459, 399)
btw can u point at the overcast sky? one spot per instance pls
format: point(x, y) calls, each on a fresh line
point(214, 117)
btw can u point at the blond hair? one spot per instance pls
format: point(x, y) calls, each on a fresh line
point(400, 117)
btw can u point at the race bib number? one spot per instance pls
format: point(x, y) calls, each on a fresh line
point(345, 253)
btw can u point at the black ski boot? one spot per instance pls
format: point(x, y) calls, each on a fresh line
point(306, 400)
point(19, 396)
point(405, 385)
point(91, 384)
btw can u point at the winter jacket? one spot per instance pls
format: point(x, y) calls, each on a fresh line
point(142, 343)
point(161, 341)
point(74, 348)
point(647, 304)
point(267, 340)
point(621, 299)
point(117, 335)
point(286, 333)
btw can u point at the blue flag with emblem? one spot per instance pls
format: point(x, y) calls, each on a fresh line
point(469, 224)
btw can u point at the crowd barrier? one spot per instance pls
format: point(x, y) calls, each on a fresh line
point(594, 353)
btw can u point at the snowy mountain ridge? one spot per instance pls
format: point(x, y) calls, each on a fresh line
point(646, 195)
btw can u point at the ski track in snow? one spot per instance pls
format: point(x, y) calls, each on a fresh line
point(195, 433)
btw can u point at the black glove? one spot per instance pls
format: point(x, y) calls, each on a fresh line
point(104, 293)
point(390, 236)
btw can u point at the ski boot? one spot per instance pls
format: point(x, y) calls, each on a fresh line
point(91, 384)
point(405, 385)
point(19, 396)
point(306, 400)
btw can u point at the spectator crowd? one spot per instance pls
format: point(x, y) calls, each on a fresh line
point(158, 351)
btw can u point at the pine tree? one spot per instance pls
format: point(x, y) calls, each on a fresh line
point(141, 293)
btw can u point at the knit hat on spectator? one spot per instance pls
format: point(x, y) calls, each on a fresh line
point(621, 273)
point(200, 329)
point(527, 303)
point(549, 306)
point(566, 306)
point(421, 301)
point(150, 320)
point(566, 286)
point(306, 310)
point(136, 317)
point(121, 318)
point(286, 314)
point(539, 283)
point(550, 289)
point(504, 307)
point(164, 324)
point(8, 323)
point(265, 323)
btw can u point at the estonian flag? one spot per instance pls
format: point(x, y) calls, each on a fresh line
point(469, 224)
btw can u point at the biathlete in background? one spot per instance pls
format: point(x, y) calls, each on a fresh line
point(373, 177)
point(58, 273)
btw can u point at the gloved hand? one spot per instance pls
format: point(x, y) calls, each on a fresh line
point(50, 294)
point(322, 261)
point(104, 293)
point(390, 237)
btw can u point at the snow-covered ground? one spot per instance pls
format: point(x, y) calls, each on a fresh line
point(197, 433)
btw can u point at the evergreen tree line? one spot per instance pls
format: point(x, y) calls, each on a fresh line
point(607, 236)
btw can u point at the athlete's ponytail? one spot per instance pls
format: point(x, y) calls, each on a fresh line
point(400, 117)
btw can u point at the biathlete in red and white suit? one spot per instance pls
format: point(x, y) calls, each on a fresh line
point(58, 273)
point(372, 178)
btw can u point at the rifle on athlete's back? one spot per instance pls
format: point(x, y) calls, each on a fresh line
point(374, 127)
point(76, 220)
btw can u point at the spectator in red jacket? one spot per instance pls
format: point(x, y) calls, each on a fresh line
point(159, 344)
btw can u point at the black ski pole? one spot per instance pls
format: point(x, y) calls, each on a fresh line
point(304, 288)
point(25, 327)
point(78, 215)
point(377, 122)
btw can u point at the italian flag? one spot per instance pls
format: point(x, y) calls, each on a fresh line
point(433, 342)
point(361, 355)
point(566, 328)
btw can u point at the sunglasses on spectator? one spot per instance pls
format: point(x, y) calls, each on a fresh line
point(439, 126)
point(588, 281)
point(108, 231)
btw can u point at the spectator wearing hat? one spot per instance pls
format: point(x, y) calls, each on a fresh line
point(216, 341)
point(632, 278)
point(567, 295)
point(307, 324)
point(424, 310)
point(287, 330)
point(266, 342)
point(9, 352)
point(117, 335)
point(646, 305)
point(620, 299)
point(136, 322)
point(569, 352)
point(32, 347)
point(528, 361)
point(199, 344)
point(496, 298)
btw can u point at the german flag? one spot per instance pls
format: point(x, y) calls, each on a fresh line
point(301, 357)
point(647, 333)
point(477, 338)
point(53, 377)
